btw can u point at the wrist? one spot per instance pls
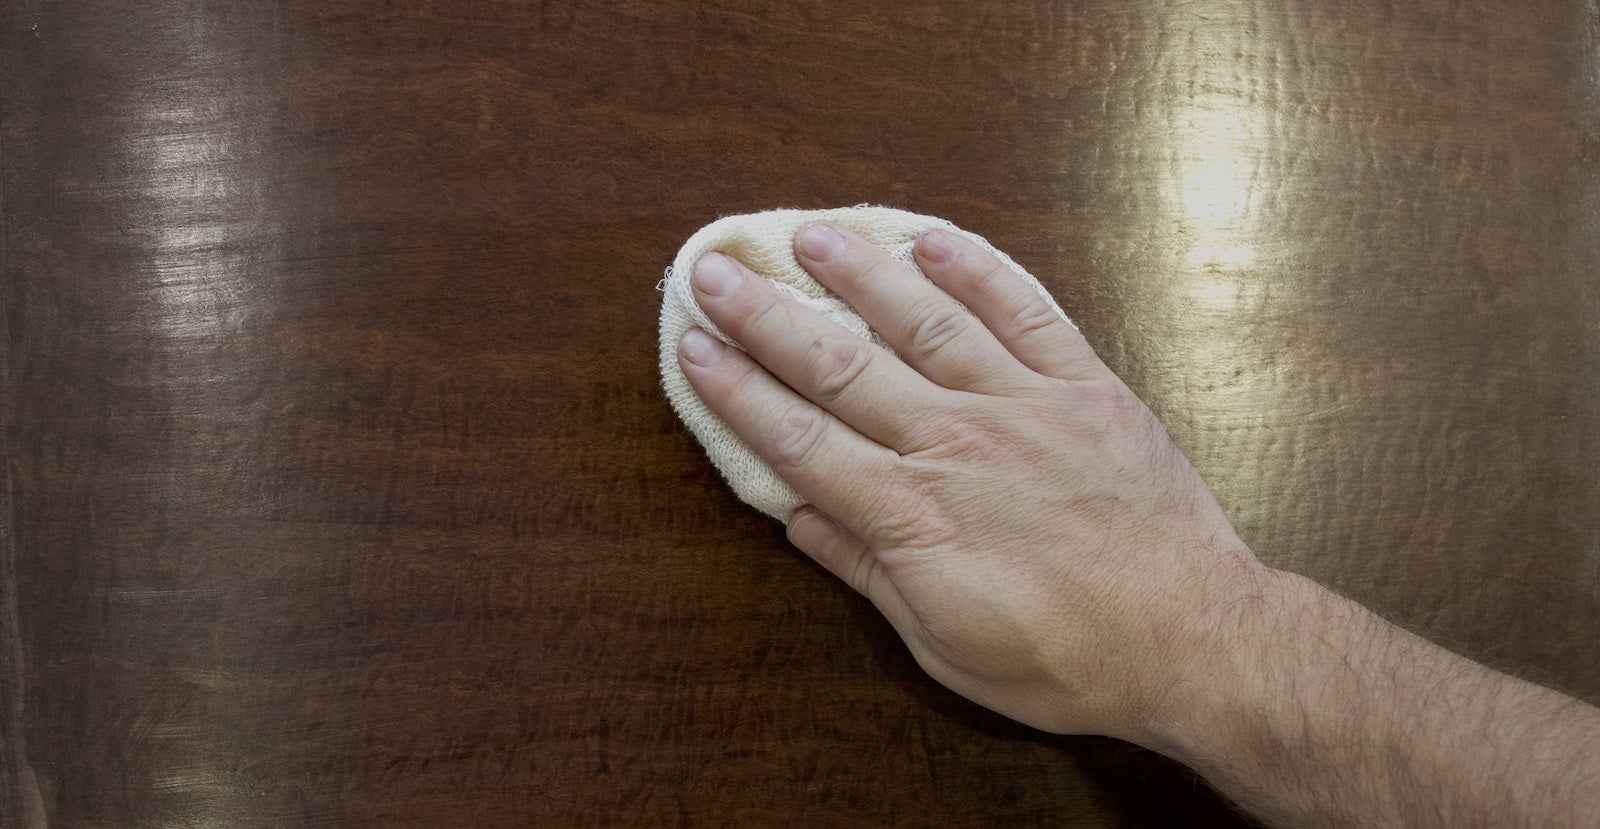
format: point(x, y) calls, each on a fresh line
point(1302, 699)
point(1225, 685)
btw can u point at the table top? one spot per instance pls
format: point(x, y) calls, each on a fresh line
point(341, 489)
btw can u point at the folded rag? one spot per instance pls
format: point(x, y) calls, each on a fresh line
point(765, 243)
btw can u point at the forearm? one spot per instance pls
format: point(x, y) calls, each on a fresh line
point(1316, 711)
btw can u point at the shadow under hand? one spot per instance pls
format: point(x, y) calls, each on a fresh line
point(1138, 786)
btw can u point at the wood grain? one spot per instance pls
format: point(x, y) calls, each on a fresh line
point(340, 490)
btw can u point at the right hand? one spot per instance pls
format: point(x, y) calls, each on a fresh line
point(1000, 495)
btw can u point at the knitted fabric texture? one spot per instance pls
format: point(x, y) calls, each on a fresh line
point(765, 243)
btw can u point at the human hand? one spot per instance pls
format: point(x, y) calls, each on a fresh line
point(1013, 509)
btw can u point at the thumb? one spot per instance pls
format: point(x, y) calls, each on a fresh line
point(843, 554)
point(829, 544)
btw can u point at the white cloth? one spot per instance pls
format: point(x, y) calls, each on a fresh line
point(765, 243)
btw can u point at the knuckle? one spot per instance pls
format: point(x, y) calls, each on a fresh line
point(968, 438)
point(764, 311)
point(798, 437)
point(748, 384)
point(1106, 411)
point(834, 362)
point(935, 324)
point(915, 521)
point(1035, 317)
point(993, 276)
point(979, 447)
point(861, 573)
point(872, 270)
point(1109, 400)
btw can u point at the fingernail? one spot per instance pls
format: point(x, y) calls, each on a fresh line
point(936, 246)
point(701, 348)
point(716, 274)
point(820, 242)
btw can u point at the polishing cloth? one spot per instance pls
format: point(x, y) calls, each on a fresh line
point(765, 243)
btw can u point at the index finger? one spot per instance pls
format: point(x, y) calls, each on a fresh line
point(825, 461)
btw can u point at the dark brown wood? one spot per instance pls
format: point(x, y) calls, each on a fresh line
point(340, 489)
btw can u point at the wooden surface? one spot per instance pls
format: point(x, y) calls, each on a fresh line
point(340, 490)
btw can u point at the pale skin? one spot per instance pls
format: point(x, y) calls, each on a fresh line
point(1042, 547)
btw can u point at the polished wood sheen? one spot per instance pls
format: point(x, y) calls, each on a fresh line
point(340, 489)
